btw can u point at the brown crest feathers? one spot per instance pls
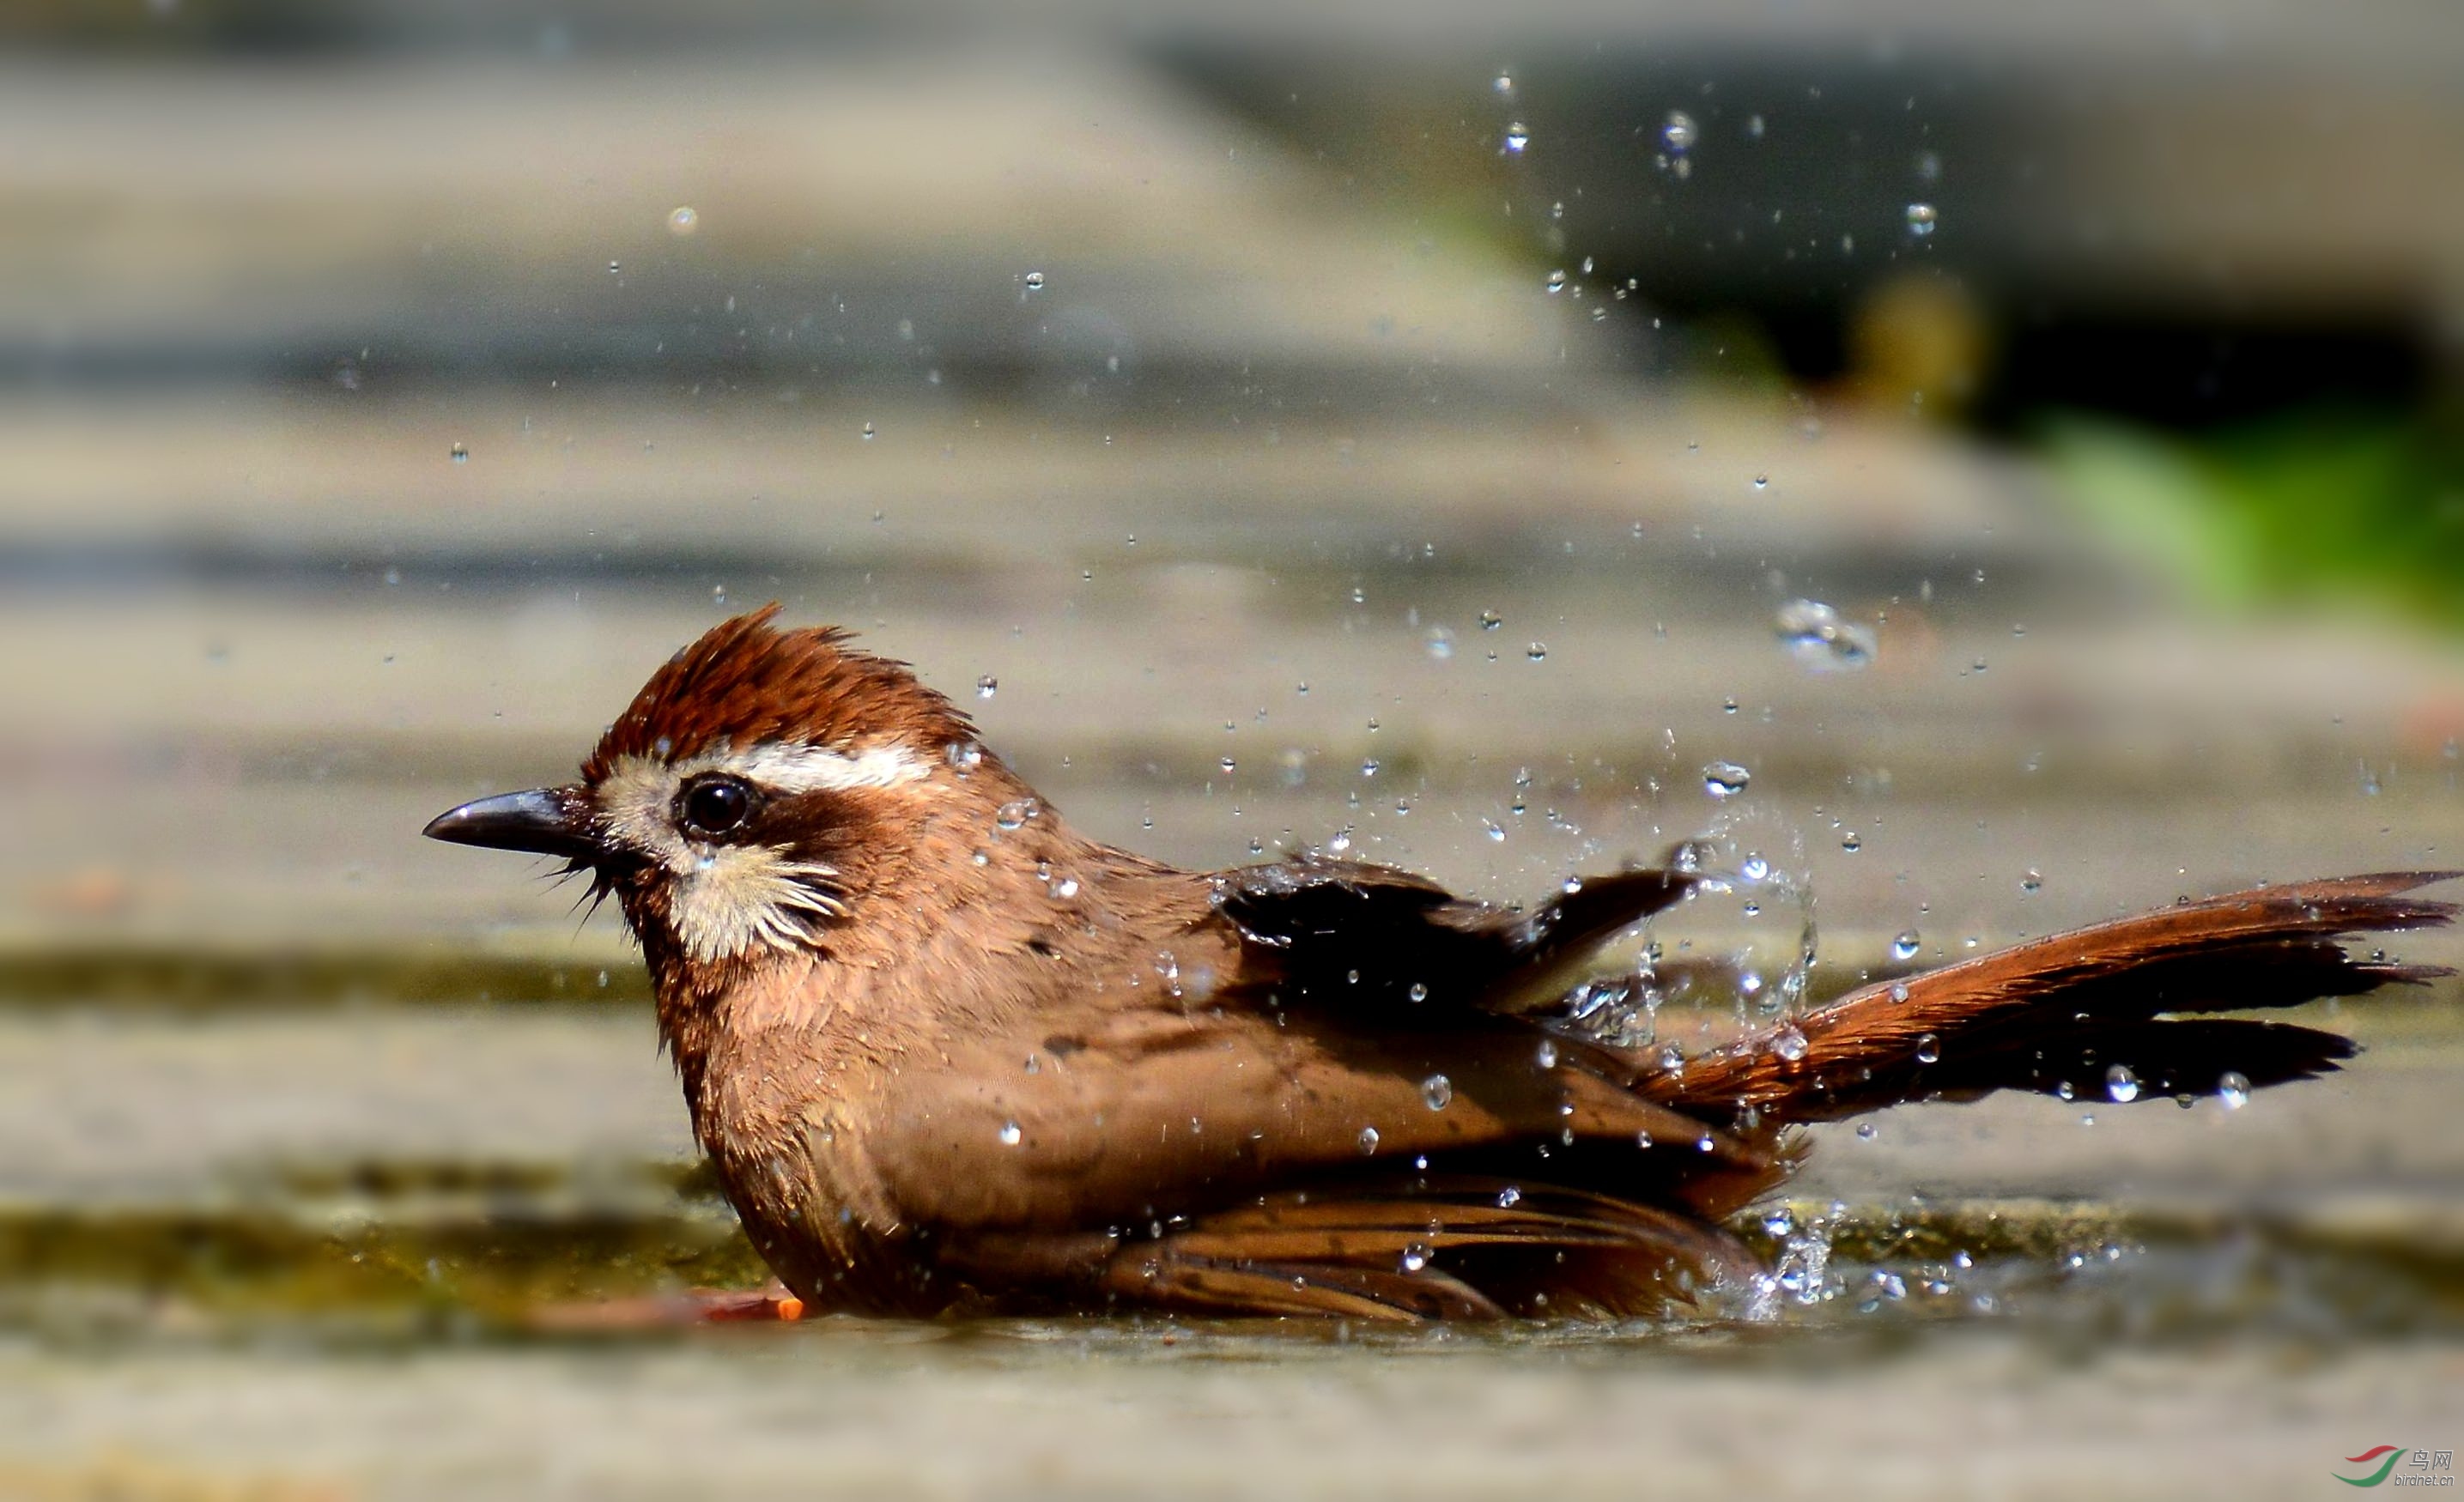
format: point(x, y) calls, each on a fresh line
point(746, 682)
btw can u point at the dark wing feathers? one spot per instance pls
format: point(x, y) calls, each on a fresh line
point(1196, 1285)
point(1339, 933)
point(1453, 1248)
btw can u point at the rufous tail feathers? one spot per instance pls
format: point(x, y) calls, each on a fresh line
point(2114, 1010)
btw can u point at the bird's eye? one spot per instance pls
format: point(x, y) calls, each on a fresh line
point(716, 805)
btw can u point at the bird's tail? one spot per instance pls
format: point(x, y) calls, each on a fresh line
point(2112, 1011)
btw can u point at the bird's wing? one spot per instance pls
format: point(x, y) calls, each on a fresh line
point(1372, 941)
point(1193, 1063)
point(1129, 1114)
point(1450, 1247)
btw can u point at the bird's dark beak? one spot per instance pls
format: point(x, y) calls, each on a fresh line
point(545, 820)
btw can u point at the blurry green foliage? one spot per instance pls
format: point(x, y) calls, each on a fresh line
point(2341, 505)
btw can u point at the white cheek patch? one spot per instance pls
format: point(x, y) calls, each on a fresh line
point(725, 898)
point(738, 896)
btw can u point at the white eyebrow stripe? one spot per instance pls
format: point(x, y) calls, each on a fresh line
point(817, 769)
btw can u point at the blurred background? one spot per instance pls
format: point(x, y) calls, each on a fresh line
point(1982, 467)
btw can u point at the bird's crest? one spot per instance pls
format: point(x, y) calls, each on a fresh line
point(745, 684)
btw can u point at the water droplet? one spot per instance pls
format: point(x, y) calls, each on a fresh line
point(2121, 1085)
point(1439, 644)
point(1762, 482)
point(1928, 1049)
point(1517, 137)
point(1505, 83)
point(460, 453)
point(1508, 1197)
point(1438, 1091)
point(1546, 1056)
point(615, 268)
point(1010, 1134)
point(2233, 1088)
point(1850, 843)
point(1014, 816)
point(1904, 947)
point(1898, 993)
point(1491, 621)
point(1416, 1256)
point(1368, 767)
point(987, 686)
point(1819, 638)
point(2033, 881)
point(1368, 1140)
point(1557, 281)
point(1754, 868)
point(1725, 779)
point(1679, 135)
point(868, 431)
point(1034, 281)
point(964, 756)
point(1494, 829)
point(1420, 993)
point(1537, 651)
point(683, 220)
point(1755, 127)
point(1789, 1043)
point(1866, 1130)
point(1920, 220)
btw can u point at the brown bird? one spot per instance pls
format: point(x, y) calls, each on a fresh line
point(946, 1053)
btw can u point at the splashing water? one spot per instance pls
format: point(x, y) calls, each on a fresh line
point(1742, 942)
point(1818, 638)
point(1800, 1273)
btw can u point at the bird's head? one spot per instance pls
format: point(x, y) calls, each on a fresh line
point(761, 787)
